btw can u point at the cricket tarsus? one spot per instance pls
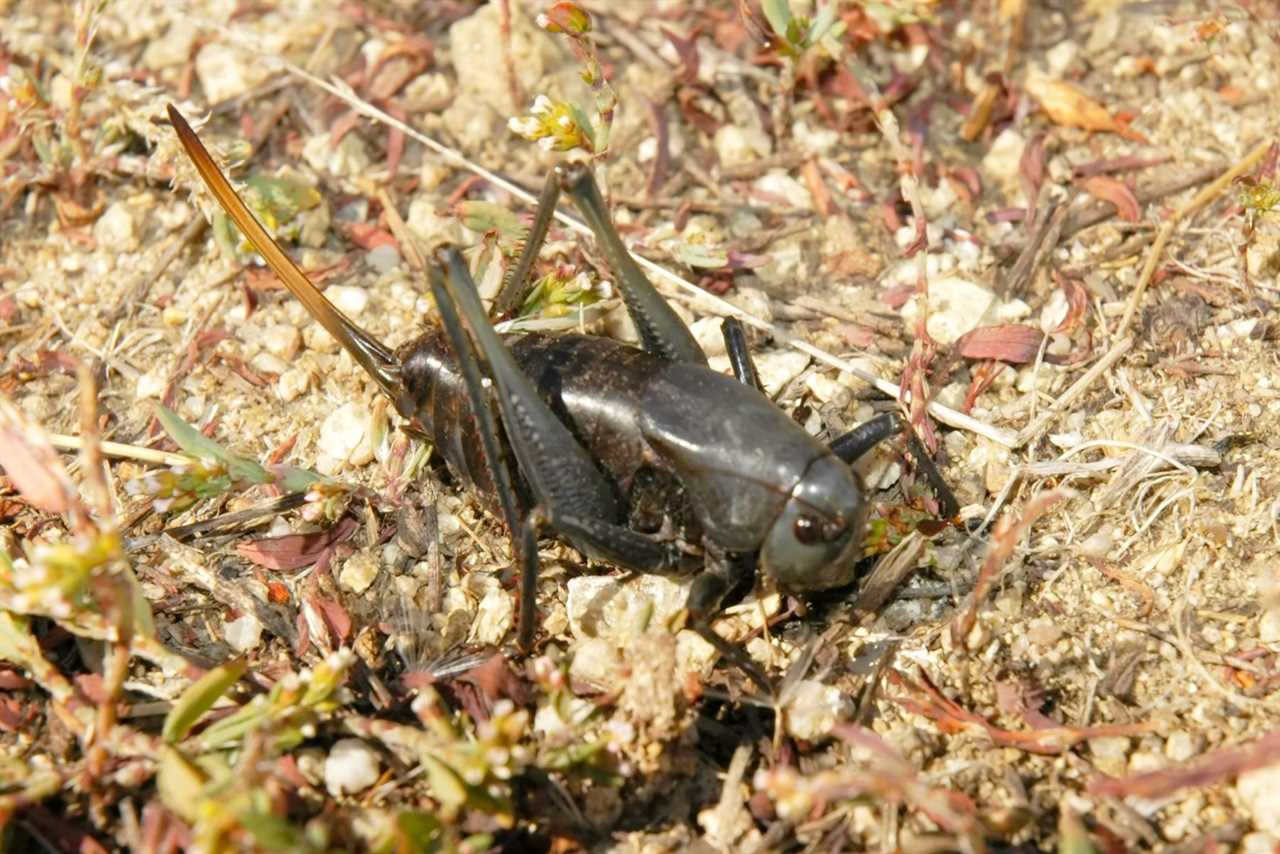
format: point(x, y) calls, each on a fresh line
point(645, 458)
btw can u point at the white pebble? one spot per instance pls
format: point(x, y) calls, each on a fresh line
point(293, 383)
point(243, 633)
point(283, 341)
point(1269, 626)
point(604, 607)
point(358, 572)
point(779, 368)
point(152, 383)
point(1182, 745)
point(1259, 792)
point(224, 73)
point(344, 438)
point(384, 258)
point(117, 228)
point(813, 708)
point(956, 305)
point(351, 766)
point(349, 299)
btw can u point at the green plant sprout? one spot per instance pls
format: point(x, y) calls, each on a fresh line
point(798, 34)
point(214, 471)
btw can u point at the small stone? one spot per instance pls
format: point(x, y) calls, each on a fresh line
point(359, 571)
point(283, 341)
point(1259, 792)
point(1110, 754)
point(1182, 745)
point(345, 438)
point(473, 46)
point(174, 47)
point(351, 766)
point(778, 368)
point(1004, 158)
point(1061, 56)
point(173, 316)
point(736, 145)
point(152, 383)
point(956, 306)
point(1099, 544)
point(348, 159)
point(224, 73)
point(118, 227)
point(430, 227)
point(268, 364)
point(243, 633)
point(776, 183)
point(427, 93)
point(1044, 632)
point(706, 331)
point(1269, 626)
point(615, 608)
point(813, 708)
point(494, 616)
point(293, 383)
point(349, 299)
point(384, 258)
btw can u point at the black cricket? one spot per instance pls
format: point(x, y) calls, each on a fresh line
point(636, 457)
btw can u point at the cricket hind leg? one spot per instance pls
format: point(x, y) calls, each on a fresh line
point(661, 330)
point(864, 437)
point(516, 286)
point(574, 498)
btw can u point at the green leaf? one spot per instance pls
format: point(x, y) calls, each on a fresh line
point(200, 697)
point(180, 783)
point(821, 23)
point(419, 832)
point(198, 445)
point(294, 479)
point(778, 13)
point(272, 833)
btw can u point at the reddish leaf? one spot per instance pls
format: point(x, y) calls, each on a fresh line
point(1108, 189)
point(1206, 770)
point(1015, 343)
point(335, 617)
point(11, 680)
point(31, 464)
point(369, 236)
point(14, 716)
point(1077, 301)
point(294, 551)
point(1068, 106)
point(687, 51)
point(1031, 169)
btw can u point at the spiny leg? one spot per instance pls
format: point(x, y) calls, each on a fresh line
point(735, 344)
point(866, 436)
point(516, 286)
point(523, 541)
point(577, 499)
point(661, 330)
